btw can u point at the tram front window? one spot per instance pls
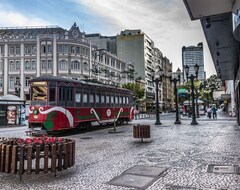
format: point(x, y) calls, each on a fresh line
point(39, 95)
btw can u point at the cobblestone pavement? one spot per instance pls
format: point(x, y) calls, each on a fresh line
point(185, 150)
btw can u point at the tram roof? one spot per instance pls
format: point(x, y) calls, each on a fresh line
point(68, 80)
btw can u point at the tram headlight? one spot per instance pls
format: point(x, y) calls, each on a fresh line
point(35, 111)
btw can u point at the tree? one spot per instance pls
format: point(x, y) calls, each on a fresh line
point(213, 83)
point(138, 91)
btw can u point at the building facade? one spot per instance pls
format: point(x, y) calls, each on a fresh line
point(167, 87)
point(135, 45)
point(104, 42)
point(191, 56)
point(29, 52)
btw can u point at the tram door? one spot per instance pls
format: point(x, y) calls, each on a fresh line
point(63, 103)
point(70, 104)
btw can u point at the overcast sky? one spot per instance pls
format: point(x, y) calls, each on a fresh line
point(166, 22)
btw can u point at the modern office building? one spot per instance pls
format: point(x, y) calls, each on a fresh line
point(191, 56)
point(135, 45)
point(27, 52)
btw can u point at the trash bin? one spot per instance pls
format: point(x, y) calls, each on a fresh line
point(141, 131)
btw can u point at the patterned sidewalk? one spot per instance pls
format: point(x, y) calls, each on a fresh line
point(203, 157)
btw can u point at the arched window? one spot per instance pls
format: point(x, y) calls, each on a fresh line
point(75, 65)
point(27, 65)
point(49, 64)
point(44, 66)
point(85, 66)
point(33, 64)
point(12, 66)
point(17, 65)
point(63, 65)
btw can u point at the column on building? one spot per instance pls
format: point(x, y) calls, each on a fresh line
point(38, 56)
point(55, 63)
point(1, 62)
point(22, 85)
point(90, 59)
point(5, 70)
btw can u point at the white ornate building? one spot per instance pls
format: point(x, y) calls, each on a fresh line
point(33, 51)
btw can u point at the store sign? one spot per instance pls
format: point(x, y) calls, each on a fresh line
point(226, 96)
point(182, 90)
point(11, 115)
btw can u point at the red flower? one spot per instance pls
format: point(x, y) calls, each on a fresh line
point(39, 140)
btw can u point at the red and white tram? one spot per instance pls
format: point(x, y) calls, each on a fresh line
point(61, 103)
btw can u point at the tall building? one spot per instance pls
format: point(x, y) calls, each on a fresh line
point(27, 52)
point(167, 88)
point(136, 46)
point(190, 56)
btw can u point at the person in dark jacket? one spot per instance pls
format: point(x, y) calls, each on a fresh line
point(214, 111)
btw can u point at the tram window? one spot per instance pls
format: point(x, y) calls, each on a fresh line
point(102, 99)
point(78, 97)
point(52, 94)
point(116, 99)
point(67, 92)
point(107, 99)
point(70, 94)
point(63, 94)
point(39, 93)
point(120, 99)
point(85, 98)
point(97, 98)
point(127, 100)
point(91, 98)
point(124, 100)
point(112, 99)
point(59, 93)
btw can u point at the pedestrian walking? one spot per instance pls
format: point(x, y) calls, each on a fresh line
point(214, 111)
point(136, 114)
point(209, 112)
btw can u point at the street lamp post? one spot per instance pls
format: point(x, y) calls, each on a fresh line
point(205, 101)
point(176, 79)
point(189, 104)
point(157, 80)
point(197, 114)
point(192, 77)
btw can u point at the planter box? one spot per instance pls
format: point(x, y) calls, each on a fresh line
point(37, 158)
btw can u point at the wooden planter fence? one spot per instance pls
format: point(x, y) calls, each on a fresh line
point(36, 158)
